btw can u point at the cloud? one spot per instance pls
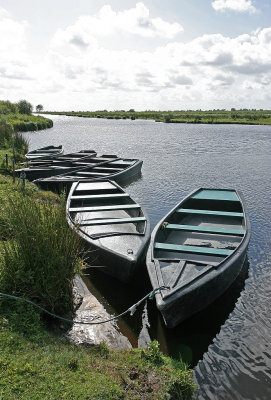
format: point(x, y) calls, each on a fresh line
point(241, 6)
point(87, 66)
point(87, 30)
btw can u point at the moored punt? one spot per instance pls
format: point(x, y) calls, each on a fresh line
point(44, 151)
point(121, 170)
point(62, 158)
point(197, 250)
point(44, 167)
point(112, 224)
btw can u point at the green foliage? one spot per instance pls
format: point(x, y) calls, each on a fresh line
point(25, 107)
point(5, 134)
point(153, 353)
point(50, 366)
point(242, 116)
point(6, 107)
point(40, 261)
point(39, 108)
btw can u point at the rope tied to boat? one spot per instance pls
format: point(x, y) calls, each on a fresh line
point(21, 176)
point(130, 310)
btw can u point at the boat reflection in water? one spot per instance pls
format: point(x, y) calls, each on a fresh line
point(189, 340)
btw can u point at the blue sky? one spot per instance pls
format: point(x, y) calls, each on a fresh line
point(179, 54)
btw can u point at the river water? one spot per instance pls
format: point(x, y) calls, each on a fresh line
point(228, 344)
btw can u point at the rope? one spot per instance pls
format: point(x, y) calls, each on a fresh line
point(130, 310)
point(22, 176)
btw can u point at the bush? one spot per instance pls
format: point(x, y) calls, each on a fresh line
point(40, 261)
point(5, 134)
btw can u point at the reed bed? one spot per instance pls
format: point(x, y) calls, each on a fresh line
point(42, 254)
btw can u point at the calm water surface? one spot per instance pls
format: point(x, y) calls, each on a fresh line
point(229, 344)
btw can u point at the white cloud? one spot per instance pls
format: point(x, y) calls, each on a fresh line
point(234, 5)
point(85, 32)
point(81, 69)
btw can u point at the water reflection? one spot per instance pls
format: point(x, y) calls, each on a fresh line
point(189, 340)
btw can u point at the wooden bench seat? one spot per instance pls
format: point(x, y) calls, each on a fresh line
point(111, 221)
point(100, 196)
point(206, 229)
point(192, 249)
point(105, 208)
point(210, 212)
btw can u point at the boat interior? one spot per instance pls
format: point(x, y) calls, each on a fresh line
point(103, 209)
point(202, 231)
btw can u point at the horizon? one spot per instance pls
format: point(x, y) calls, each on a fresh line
point(121, 54)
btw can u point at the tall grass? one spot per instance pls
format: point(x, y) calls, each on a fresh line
point(42, 255)
point(8, 137)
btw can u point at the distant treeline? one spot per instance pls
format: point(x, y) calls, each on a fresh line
point(243, 116)
point(19, 117)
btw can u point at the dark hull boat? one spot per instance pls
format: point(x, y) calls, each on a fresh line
point(63, 158)
point(50, 166)
point(111, 223)
point(44, 152)
point(197, 250)
point(121, 170)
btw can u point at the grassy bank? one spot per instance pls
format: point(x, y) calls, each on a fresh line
point(251, 117)
point(39, 256)
point(19, 117)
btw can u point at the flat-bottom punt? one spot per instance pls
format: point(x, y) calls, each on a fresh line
point(44, 152)
point(54, 165)
point(121, 170)
point(112, 224)
point(197, 250)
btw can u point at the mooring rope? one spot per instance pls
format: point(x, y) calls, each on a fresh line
point(130, 310)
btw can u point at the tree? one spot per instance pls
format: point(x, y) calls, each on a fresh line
point(39, 107)
point(25, 107)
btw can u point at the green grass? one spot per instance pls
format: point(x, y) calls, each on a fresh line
point(251, 117)
point(52, 368)
point(35, 363)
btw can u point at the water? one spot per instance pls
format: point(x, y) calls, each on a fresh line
point(229, 343)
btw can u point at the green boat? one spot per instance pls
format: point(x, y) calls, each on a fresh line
point(197, 250)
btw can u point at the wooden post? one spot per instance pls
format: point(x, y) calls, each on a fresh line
point(13, 159)
point(6, 160)
point(23, 177)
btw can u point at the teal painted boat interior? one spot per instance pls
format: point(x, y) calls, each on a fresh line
point(214, 194)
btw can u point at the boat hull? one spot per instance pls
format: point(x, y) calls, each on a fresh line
point(183, 304)
point(122, 178)
point(209, 248)
point(115, 229)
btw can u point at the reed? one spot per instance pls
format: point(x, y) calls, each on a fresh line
point(42, 256)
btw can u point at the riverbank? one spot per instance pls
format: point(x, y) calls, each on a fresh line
point(21, 119)
point(36, 356)
point(245, 117)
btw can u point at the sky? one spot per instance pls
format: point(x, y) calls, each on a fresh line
point(147, 55)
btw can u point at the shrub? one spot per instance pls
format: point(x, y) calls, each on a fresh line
point(5, 133)
point(44, 255)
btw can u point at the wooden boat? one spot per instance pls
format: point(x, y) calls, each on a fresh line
point(44, 167)
point(197, 250)
point(44, 151)
point(64, 159)
point(121, 170)
point(111, 223)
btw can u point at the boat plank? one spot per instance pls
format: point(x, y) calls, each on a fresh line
point(192, 249)
point(105, 208)
point(113, 221)
point(210, 212)
point(206, 229)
